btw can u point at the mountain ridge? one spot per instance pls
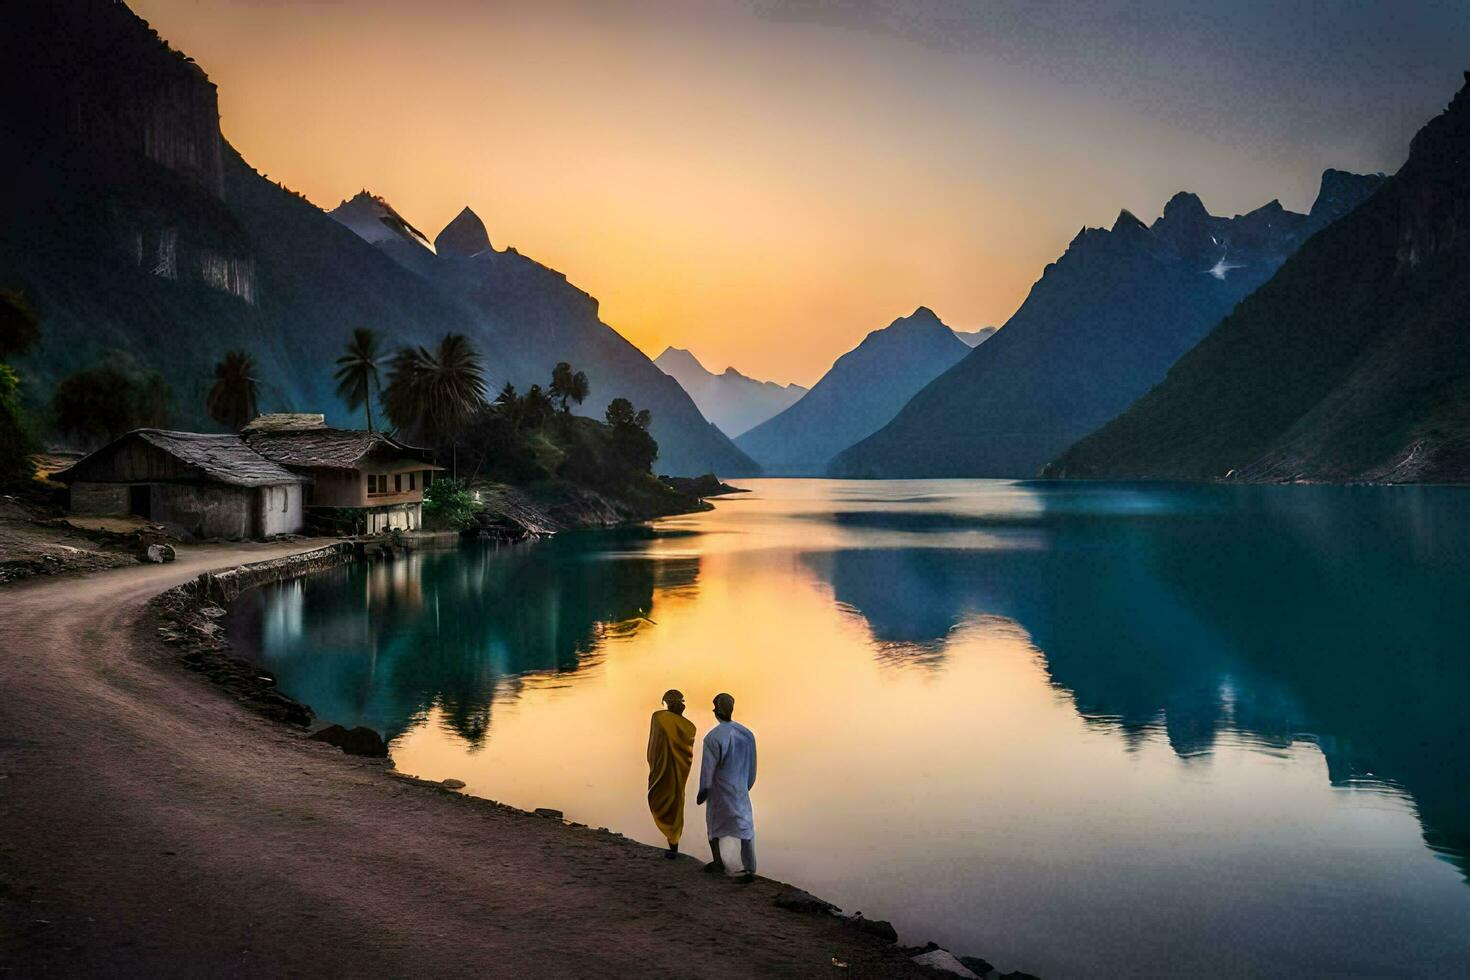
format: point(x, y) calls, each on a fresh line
point(862, 390)
point(1351, 364)
point(733, 401)
point(1100, 326)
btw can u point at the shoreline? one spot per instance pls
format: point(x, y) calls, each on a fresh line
point(203, 837)
point(185, 618)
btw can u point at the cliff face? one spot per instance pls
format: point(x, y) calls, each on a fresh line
point(1352, 363)
point(146, 243)
point(1101, 326)
point(129, 140)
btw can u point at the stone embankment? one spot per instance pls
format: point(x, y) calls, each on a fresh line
point(187, 618)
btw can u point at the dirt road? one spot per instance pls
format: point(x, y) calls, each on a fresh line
point(148, 825)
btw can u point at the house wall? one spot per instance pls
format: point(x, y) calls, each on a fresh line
point(99, 499)
point(278, 510)
point(349, 488)
point(207, 510)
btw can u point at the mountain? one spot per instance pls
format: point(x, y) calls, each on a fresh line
point(534, 317)
point(857, 396)
point(146, 242)
point(974, 338)
point(732, 401)
point(1102, 325)
point(1352, 363)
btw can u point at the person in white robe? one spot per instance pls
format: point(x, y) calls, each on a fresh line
point(726, 775)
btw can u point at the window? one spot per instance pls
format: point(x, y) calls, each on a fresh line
point(372, 483)
point(411, 481)
point(397, 482)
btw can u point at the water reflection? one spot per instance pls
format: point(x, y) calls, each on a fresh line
point(1267, 615)
point(1075, 727)
point(454, 630)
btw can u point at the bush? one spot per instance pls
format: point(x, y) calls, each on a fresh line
point(449, 504)
point(15, 441)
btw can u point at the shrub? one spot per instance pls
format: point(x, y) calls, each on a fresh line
point(449, 504)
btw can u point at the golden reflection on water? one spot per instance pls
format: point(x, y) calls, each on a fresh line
point(948, 782)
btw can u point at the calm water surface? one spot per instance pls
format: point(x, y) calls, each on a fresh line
point(1071, 728)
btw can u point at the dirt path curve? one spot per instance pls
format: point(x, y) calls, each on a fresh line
point(150, 826)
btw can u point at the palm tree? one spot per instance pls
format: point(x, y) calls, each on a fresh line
point(567, 386)
point(232, 400)
point(357, 371)
point(509, 406)
point(433, 394)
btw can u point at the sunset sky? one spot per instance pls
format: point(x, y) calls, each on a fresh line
point(765, 182)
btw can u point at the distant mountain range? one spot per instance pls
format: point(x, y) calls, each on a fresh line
point(1102, 325)
point(974, 338)
point(732, 401)
point(861, 392)
point(145, 242)
point(1351, 364)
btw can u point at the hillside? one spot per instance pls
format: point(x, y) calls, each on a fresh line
point(732, 401)
point(1352, 363)
point(145, 242)
point(1102, 325)
point(862, 390)
point(535, 318)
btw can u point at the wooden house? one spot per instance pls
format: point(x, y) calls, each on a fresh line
point(348, 469)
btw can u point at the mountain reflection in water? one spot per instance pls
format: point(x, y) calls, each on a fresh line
point(910, 653)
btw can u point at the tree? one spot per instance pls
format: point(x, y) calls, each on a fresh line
point(152, 403)
point(15, 441)
point(568, 386)
point(634, 447)
point(232, 402)
point(434, 394)
point(357, 371)
point(20, 328)
point(536, 408)
point(509, 405)
point(95, 406)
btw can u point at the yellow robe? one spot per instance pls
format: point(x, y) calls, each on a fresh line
point(670, 752)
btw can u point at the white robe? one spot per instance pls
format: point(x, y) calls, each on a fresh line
point(728, 772)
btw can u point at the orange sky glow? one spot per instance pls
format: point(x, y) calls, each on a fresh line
point(761, 191)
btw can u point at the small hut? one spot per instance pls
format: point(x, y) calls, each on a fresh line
point(209, 486)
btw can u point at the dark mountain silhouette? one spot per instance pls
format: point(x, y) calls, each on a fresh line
point(1101, 326)
point(859, 394)
point(974, 338)
point(1352, 363)
point(536, 318)
point(733, 402)
point(144, 241)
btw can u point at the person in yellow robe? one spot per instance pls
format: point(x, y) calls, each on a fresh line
point(670, 753)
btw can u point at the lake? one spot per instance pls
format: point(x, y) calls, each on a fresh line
point(1076, 729)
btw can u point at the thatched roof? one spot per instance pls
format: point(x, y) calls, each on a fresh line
point(325, 448)
point(219, 458)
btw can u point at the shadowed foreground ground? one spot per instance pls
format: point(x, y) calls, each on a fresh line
point(148, 825)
